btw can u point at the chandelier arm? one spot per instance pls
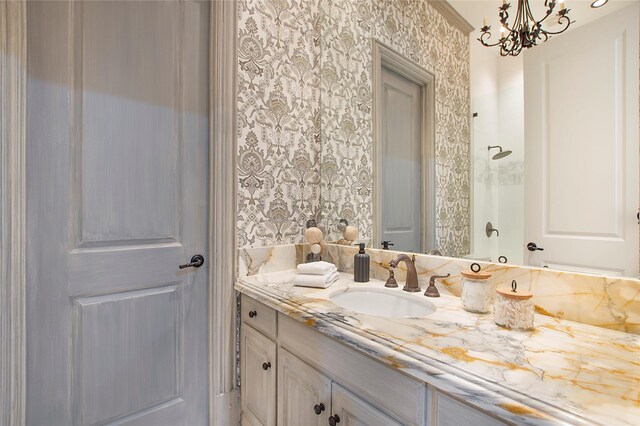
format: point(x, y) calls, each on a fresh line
point(562, 18)
point(538, 24)
point(509, 44)
point(549, 13)
point(513, 50)
point(546, 36)
point(488, 34)
point(503, 20)
point(517, 21)
point(528, 15)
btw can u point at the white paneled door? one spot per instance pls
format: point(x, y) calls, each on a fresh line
point(401, 151)
point(117, 166)
point(581, 148)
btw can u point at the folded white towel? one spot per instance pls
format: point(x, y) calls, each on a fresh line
point(316, 268)
point(317, 281)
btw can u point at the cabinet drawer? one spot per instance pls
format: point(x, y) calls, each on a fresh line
point(450, 412)
point(259, 316)
point(257, 378)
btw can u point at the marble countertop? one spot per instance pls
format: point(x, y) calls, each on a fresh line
point(561, 372)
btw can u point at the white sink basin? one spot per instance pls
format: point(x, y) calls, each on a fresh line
point(383, 303)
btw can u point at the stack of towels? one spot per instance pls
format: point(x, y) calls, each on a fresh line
point(316, 274)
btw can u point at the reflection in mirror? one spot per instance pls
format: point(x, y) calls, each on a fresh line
point(565, 111)
point(351, 167)
point(568, 195)
point(403, 152)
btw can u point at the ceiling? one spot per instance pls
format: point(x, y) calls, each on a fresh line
point(475, 11)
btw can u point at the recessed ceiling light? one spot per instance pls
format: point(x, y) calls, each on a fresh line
point(599, 3)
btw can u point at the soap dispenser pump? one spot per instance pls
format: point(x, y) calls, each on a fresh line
point(361, 266)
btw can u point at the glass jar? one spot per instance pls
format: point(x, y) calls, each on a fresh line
point(513, 309)
point(477, 290)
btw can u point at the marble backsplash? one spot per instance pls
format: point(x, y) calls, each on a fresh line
point(608, 302)
point(262, 260)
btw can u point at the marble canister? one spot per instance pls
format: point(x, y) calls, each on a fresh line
point(477, 290)
point(513, 309)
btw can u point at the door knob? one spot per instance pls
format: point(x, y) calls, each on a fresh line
point(266, 366)
point(196, 262)
point(534, 247)
point(334, 420)
point(318, 408)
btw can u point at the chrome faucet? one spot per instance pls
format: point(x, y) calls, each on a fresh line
point(412, 275)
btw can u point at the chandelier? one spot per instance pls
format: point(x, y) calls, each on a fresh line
point(526, 31)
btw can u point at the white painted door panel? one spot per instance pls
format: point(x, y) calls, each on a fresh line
point(581, 150)
point(401, 172)
point(117, 136)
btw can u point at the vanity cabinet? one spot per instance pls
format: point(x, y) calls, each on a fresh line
point(292, 375)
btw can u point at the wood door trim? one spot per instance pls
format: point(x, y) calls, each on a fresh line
point(223, 390)
point(385, 56)
point(13, 83)
point(223, 395)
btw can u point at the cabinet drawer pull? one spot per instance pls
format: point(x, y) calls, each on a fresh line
point(266, 366)
point(333, 420)
point(253, 314)
point(318, 408)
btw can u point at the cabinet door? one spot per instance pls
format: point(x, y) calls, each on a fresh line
point(349, 410)
point(304, 395)
point(257, 377)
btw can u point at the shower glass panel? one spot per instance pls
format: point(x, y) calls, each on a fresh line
point(498, 174)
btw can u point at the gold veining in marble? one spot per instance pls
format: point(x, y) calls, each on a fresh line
point(570, 369)
point(607, 302)
point(518, 409)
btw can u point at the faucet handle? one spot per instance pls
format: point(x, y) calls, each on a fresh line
point(432, 290)
point(391, 281)
point(433, 278)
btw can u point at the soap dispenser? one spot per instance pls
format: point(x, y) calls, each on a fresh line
point(361, 263)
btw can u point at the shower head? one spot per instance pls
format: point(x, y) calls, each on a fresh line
point(500, 154)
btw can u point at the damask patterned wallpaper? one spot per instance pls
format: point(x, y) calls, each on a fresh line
point(278, 119)
point(420, 33)
point(305, 116)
